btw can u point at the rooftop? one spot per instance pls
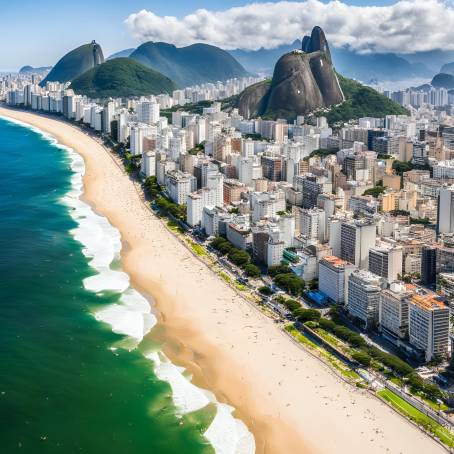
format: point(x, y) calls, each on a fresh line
point(428, 302)
point(335, 261)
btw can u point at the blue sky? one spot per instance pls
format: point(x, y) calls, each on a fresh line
point(39, 32)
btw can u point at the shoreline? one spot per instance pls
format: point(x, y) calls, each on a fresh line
point(288, 399)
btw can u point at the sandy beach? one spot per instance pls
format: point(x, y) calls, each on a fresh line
point(290, 400)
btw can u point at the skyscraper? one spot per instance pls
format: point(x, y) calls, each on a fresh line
point(445, 215)
point(357, 238)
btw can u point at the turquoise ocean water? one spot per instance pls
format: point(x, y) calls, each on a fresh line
point(76, 374)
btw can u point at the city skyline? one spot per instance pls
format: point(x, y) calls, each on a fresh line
point(179, 223)
point(120, 26)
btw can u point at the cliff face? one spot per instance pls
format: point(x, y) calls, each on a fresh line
point(303, 80)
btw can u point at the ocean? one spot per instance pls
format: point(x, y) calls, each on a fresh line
point(78, 371)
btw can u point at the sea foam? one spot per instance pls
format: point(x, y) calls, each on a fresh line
point(132, 315)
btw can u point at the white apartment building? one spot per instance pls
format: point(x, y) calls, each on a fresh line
point(148, 164)
point(275, 249)
point(180, 185)
point(333, 274)
point(147, 112)
point(312, 224)
point(162, 168)
point(444, 169)
point(196, 202)
point(266, 205)
point(239, 232)
point(446, 210)
point(429, 325)
point(138, 132)
point(393, 310)
point(215, 181)
point(364, 296)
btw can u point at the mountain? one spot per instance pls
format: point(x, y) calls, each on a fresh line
point(262, 61)
point(443, 80)
point(30, 70)
point(121, 53)
point(189, 65)
point(361, 101)
point(447, 68)
point(432, 59)
point(303, 81)
point(382, 67)
point(364, 67)
point(75, 63)
point(121, 77)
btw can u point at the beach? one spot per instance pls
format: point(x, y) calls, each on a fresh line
point(290, 401)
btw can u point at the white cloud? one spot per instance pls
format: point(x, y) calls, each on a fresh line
point(406, 26)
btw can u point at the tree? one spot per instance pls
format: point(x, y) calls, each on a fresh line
point(402, 166)
point(265, 290)
point(290, 282)
point(239, 257)
point(362, 358)
point(278, 269)
point(221, 245)
point(307, 315)
point(375, 191)
point(251, 270)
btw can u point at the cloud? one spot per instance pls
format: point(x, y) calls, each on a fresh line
point(406, 26)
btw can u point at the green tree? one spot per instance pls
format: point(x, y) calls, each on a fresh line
point(239, 257)
point(252, 270)
point(265, 290)
point(362, 358)
point(278, 269)
point(307, 315)
point(290, 283)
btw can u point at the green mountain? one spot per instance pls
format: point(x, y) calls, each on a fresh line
point(75, 63)
point(121, 77)
point(361, 101)
point(189, 65)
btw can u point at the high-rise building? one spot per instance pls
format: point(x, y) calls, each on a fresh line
point(428, 265)
point(68, 106)
point(180, 185)
point(148, 165)
point(312, 186)
point(138, 132)
point(386, 261)
point(312, 224)
point(215, 181)
point(429, 325)
point(393, 310)
point(333, 274)
point(357, 238)
point(147, 112)
point(196, 202)
point(445, 215)
point(272, 167)
point(233, 190)
point(107, 116)
point(364, 296)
